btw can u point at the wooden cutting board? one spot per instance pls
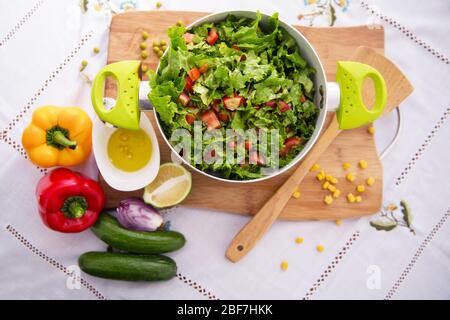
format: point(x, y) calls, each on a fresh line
point(331, 44)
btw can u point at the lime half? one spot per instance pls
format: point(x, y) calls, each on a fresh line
point(171, 186)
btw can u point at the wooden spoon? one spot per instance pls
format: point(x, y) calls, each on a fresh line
point(398, 89)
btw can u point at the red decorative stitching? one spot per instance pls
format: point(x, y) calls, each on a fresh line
point(422, 148)
point(408, 33)
point(332, 265)
point(197, 287)
point(20, 150)
point(52, 261)
point(44, 85)
point(21, 22)
point(417, 255)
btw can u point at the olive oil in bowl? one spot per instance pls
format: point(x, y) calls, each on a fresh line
point(129, 150)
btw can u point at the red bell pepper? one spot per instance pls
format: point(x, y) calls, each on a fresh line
point(68, 201)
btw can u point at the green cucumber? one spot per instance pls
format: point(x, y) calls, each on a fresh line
point(108, 229)
point(129, 267)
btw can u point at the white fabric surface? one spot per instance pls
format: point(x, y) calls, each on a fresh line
point(42, 43)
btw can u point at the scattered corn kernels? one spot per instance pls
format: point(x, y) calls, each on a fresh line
point(144, 54)
point(320, 176)
point(350, 177)
point(362, 164)
point(328, 199)
point(325, 185)
point(158, 5)
point(346, 165)
point(360, 188)
point(315, 167)
point(336, 193)
point(299, 240)
point(144, 68)
point(96, 50)
point(320, 248)
point(370, 181)
point(328, 177)
point(358, 198)
point(144, 35)
point(338, 222)
point(351, 198)
point(284, 265)
point(334, 180)
point(296, 194)
point(371, 130)
point(332, 188)
point(143, 45)
point(180, 23)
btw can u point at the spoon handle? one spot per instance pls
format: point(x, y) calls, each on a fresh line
point(249, 235)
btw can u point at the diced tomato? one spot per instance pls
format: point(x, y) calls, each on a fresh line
point(235, 47)
point(210, 119)
point(188, 37)
point(271, 104)
point(223, 116)
point(255, 158)
point(289, 143)
point(283, 106)
point(188, 85)
point(204, 68)
point(194, 74)
point(231, 144)
point(232, 103)
point(243, 58)
point(190, 118)
point(184, 99)
point(302, 98)
point(215, 105)
point(248, 144)
point(212, 36)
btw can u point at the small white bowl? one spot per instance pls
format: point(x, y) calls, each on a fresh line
point(116, 178)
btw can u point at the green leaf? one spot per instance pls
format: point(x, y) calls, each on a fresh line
point(384, 225)
point(407, 216)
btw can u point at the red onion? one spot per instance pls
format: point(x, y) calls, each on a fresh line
point(135, 214)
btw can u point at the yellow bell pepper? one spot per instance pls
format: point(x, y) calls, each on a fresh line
point(58, 136)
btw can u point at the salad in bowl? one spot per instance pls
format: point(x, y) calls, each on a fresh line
point(236, 74)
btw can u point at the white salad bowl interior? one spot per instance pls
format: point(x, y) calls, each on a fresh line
point(320, 86)
point(116, 178)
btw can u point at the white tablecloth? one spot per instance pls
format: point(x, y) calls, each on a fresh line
point(42, 43)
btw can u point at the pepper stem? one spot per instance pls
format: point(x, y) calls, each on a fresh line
point(59, 138)
point(74, 207)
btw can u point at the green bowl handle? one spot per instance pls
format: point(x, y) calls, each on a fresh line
point(125, 113)
point(352, 112)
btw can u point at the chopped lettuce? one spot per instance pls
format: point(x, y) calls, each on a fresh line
point(260, 63)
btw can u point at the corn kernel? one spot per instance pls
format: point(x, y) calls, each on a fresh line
point(338, 222)
point(299, 240)
point(370, 181)
point(350, 177)
point(315, 167)
point(328, 177)
point(346, 165)
point(371, 130)
point(332, 188)
point(325, 185)
point(144, 35)
point(336, 193)
point(360, 188)
point(143, 45)
point(144, 68)
point(351, 198)
point(320, 248)
point(328, 199)
point(284, 265)
point(334, 180)
point(158, 5)
point(363, 164)
point(320, 177)
point(296, 194)
point(144, 54)
point(358, 198)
